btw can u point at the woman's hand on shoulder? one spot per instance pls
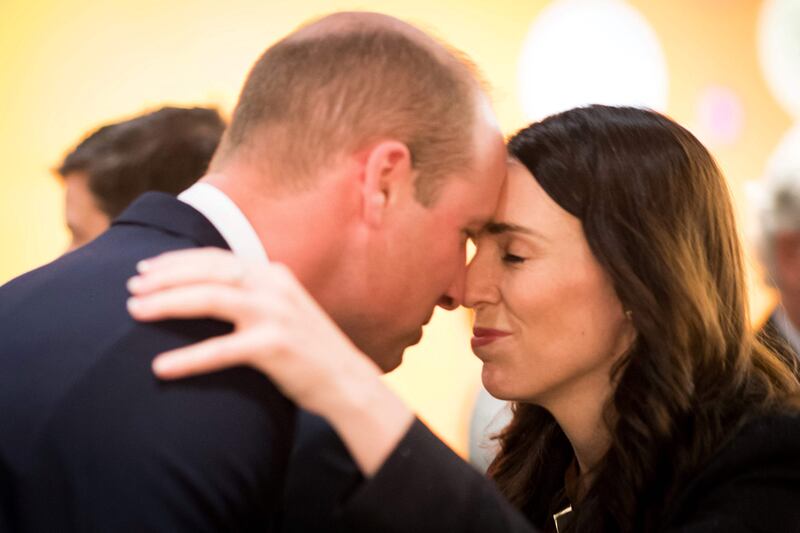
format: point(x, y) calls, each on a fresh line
point(279, 328)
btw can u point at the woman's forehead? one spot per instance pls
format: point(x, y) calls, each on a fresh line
point(525, 204)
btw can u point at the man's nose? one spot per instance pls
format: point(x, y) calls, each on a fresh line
point(454, 296)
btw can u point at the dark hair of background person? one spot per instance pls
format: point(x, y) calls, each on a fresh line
point(657, 215)
point(166, 150)
point(312, 98)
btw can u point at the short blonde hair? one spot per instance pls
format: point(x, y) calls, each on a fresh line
point(318, 97)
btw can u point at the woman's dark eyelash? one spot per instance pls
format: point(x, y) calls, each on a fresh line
point(511, 258)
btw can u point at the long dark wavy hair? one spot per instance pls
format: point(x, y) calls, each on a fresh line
point(657, 215)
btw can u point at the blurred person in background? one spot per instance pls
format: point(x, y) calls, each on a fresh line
point(165, 150)
point(778, 244)
point(610, 307)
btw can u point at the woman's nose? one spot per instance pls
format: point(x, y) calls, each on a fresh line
point(479, 287)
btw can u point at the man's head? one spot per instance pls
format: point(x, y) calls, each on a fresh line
point(348, 81)
point(376, 151)
point(166, 150)
point(779, 220)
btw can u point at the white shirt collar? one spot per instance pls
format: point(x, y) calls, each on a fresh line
point(787, 329)
point(228, 219)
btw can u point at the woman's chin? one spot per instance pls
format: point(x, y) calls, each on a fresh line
point(494, 384)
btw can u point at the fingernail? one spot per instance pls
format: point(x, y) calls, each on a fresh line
point(161, 365)
point(134, 283)
point(134, 304)
point(142, 266)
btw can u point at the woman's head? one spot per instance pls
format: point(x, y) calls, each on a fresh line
point(549, 325)
point(632, 227)
point(643, 229)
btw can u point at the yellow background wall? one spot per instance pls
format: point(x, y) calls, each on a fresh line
point(67, 66)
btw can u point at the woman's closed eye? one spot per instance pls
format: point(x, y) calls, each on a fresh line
point(512, 259)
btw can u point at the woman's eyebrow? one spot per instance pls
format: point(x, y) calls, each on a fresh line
point(496, 228)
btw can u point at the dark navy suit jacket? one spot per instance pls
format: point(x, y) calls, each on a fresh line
point(90, 440)
point(322, 475)
point(423, 487)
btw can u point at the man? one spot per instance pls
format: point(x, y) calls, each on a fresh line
point(779, 246)
point(361, 153)
point(166, 150)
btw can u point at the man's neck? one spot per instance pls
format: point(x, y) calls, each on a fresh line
point(301, 229)
point(228, 219)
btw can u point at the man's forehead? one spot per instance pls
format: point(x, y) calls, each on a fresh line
point(485, 198)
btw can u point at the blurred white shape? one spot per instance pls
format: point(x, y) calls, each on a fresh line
point(580, 52)
point(782, 173)
point(786, 157)
point(774, 201)
point(720, 116)
point(489, 416)
point(779, 51)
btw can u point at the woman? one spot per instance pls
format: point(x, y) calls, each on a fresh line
point(609, 296)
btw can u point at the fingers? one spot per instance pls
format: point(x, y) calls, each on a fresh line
point(207, 300)
point(201, 283)
point(187, 267)
point(210, 355)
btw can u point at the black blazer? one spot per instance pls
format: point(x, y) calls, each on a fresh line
point(90, 440)
point(321, 476)
point(752, 484)
point(424, 486)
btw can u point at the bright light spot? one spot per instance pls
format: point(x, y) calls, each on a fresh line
point(720, 116)
point(580, 52)
point(779, 51)
point(786, 157)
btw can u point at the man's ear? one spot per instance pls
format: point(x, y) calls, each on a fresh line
point(386, 171)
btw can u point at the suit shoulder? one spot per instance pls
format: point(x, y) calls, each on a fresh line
point(125, 439)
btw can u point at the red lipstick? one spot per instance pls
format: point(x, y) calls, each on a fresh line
point(484, 336)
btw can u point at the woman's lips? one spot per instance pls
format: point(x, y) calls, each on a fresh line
point(484, 336)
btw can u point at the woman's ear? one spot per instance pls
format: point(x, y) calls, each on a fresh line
point(386, 172)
